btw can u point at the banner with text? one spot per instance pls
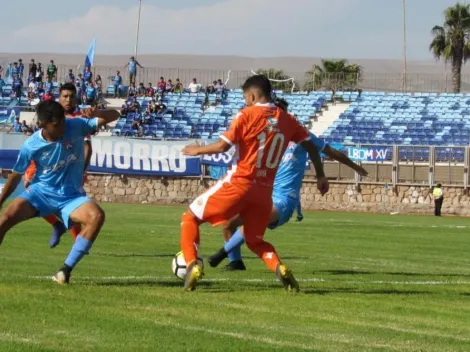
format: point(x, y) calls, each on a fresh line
point(8, 116)
point(369, 153)
point(142, 157)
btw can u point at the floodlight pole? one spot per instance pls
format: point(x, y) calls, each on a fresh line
point(404, 47)
point(138, 29)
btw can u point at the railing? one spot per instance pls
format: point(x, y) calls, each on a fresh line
point(304, 80)
point(410, 165)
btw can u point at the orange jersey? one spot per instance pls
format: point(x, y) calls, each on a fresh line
point(261, 134)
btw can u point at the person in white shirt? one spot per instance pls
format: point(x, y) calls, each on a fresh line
point(194, 87)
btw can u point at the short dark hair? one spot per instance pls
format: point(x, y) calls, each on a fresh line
point(68, 86)
point(260, 82)
point(439, 185)
point(49, 111)
point(281, 103)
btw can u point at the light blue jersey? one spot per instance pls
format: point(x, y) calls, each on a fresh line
point(59, 165)
point(291, 170)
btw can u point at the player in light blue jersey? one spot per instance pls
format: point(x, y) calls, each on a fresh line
point(58, 152)
point(286, 196)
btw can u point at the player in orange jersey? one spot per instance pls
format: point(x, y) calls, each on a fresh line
point(261, 133)
point(68, 100)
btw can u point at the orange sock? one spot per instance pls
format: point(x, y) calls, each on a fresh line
point(75, 230)
point(51, 219)
point(189, 236)
point(265, 251)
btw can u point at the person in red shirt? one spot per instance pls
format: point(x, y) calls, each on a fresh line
point(261, 133)
point(161, 85)
point(150, 91)
point(68, 100)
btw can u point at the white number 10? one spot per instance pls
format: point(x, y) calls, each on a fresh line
point(276, 147)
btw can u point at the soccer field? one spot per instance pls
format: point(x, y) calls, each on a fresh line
point(368, 283)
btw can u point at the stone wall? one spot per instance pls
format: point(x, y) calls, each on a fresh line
point(342, 197)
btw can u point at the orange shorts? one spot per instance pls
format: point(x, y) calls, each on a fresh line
point(224, 200)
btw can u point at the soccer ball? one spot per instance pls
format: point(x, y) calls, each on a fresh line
point(178, 265)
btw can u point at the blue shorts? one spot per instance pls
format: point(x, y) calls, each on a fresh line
point(47, 202)
point(285, 206)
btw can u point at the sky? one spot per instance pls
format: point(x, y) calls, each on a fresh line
point(353, 29)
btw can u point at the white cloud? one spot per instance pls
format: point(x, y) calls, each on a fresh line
point(233, 27)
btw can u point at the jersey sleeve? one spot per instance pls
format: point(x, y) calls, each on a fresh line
point(235, 131)
point(319, 143)
point(300, 132)
point(23, 161)
point(84, 127)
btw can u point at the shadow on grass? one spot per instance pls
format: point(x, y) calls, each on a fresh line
point(348, 290)
point(149, 283)
point(131, 255)
point(398, 273)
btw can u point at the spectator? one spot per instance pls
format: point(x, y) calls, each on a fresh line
point(211, 89)
point(87, 75)
point(152, 107)
point(161, 85)
point(134, 106)
point(141, 91)
point(70, 77)
point(48, 96)
point(124, 109)
point(51, 70)
point(39, 73)
point(2, 83)
point(24, 127)
point(150, 91)
point(33, 69)
point(161, 108)
point(48, 86)
point(91, 94)
point(117, 82)
point(17, 126)
point(99, 84)
point(80, 81)
point(194, 87)
point(178, 88)
point(220, 87)
point(17, 87)
point(132, 91)
point(31, 78)
point(32, 89)
point(1, 70)
point(169, 86)
point(132, 64)
point(15, 70)
point(20, 68)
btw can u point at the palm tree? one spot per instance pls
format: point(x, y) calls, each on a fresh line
point(279, 75)
point(333, 74)
point(451, 41)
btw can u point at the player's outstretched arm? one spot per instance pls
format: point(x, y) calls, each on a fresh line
point(104, 116)
point(220, 146)
point(13, 180)
point(314, 155)
point(343, 159)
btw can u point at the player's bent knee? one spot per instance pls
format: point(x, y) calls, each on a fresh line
point(97, 217)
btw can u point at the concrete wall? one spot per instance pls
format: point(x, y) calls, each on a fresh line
point(342, 197)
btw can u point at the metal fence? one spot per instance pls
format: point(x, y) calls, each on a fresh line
point(306, 80)
point(410, 165)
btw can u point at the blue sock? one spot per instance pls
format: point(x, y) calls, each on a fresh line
point(78, 251)
point(233, 246)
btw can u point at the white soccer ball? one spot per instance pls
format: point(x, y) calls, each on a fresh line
point(178, 265)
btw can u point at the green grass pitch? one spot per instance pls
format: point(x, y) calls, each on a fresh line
point(368, 283)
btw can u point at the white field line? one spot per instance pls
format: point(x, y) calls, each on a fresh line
point(353, 282)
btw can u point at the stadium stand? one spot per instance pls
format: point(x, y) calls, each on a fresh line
point(186, 115)
point(420, 119)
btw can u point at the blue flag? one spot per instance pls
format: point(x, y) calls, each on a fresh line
point(90, 57)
